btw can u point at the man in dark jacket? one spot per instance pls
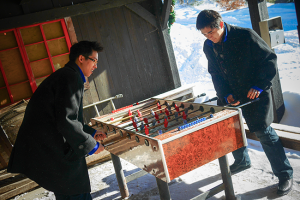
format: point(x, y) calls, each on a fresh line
point(52, 141)
point(242, 67)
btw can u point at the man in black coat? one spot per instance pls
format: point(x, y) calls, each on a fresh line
point(242, 67)
point(53, 141)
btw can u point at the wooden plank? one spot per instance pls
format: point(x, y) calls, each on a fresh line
point(14, 185)
point(97, 158)
point(2, 162)
point(14, 68)
point(21, 91)
point(122, 69)
point(152, 72)
point(58, 46)
point(297, 7)
point(61, 12)
point(5, 142)
point(159, 77)
point(55, 3)
point(53, 30)
point(71, 30)
point(87, 98)
point(36, 52)
point(258, 12)
point(286, 128)
point(164, 81)
point(31, 35)
point(143, 13)
point(165, 13)
point(148, 59)
point(77, 30)
point(25, 8)
point(4, 148)
point(95, 96)
point(139, 50)
point(101, 75)
point(25, 1)
point(106, 77)
point(8, 40)
point(286, 142)
point(7, 175)
point(289, 140)
point(168, 52)
point(131, 66)
point(92, 37)
point(18, 190)
point(114, 60)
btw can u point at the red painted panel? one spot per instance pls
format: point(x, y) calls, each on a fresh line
point(203, 146)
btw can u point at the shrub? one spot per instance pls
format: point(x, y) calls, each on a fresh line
point(231, 4)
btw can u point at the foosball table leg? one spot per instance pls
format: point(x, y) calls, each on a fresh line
point(120, 176)
point(226, 176)
point(163, 189)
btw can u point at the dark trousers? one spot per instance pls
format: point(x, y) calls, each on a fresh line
point(85, 196)
point(274, 151)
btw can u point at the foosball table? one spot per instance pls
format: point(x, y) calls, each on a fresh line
point(168, 138)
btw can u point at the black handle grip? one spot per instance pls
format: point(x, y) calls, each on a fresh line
point(249, 102)
point(212, 99)
point(201, 95)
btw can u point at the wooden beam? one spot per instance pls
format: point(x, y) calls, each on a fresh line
point(25, 8)
point(288, 137)
point(24, 2)
point(19, 190)
point(165, 13)
point(143, 13)
point(6, 175)
point(168, 51)
point(5, 141)
point(55, 3)
point(258, 12)
point(13, 186)
point(297, 7)
point(61, 12)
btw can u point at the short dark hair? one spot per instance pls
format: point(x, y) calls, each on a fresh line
point(84, 48)
point(208, 18)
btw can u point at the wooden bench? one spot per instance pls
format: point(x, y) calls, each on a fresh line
point(289, 135)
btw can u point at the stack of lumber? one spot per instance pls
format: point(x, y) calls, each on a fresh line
point(14, 184)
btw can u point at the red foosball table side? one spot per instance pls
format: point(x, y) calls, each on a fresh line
point(193, 150)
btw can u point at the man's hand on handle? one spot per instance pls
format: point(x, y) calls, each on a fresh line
point(99, 135)
point(230, 99)
point(101, 148)
point(253, 94)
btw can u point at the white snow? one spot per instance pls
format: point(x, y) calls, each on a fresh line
point(257, 182)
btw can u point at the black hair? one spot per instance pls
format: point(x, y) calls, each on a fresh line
point(84, 48)
point(208, 18)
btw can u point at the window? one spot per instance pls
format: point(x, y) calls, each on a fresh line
point(28, 55)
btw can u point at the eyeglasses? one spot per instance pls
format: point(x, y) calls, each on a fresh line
point(210, 32)
point(94, 60)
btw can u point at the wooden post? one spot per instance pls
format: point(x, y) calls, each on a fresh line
point(297, 7)
point(258, 12)
point(165, 39)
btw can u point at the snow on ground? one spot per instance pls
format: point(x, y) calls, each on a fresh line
point(257, 182)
